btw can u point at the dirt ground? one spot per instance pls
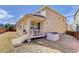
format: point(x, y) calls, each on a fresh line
point(34, 48)
point(66, 44)
point(7, 47)
point(5, 41)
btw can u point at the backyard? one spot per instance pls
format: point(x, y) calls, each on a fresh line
point(65, 44)
point(6, 45)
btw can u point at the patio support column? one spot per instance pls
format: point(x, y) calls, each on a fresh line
point(28, 31)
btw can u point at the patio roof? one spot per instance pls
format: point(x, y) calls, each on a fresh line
point(34, 18)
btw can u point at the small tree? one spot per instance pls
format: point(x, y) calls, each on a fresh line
point(9, 27)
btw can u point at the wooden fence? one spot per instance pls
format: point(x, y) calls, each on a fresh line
point(2, 30)
point(75, 34)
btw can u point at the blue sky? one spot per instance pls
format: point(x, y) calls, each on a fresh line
point(12, 13)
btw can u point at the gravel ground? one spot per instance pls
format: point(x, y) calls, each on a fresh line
point(66, 44)
point(34, 48)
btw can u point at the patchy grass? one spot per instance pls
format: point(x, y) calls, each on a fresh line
point(8, 35)
point(5, 41)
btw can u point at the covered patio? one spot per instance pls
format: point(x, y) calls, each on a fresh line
point(33, 25)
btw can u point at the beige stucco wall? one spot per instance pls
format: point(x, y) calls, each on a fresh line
point(23, 24)
point(54, 22)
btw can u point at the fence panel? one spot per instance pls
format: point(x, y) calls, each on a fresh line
point(75, 34)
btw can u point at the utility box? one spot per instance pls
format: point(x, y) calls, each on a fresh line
point(52, 36)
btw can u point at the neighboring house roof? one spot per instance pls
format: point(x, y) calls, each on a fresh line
point(76, 14)
point(75, 17)
point(76, 20)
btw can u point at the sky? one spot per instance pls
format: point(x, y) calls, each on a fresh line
point(13, 13)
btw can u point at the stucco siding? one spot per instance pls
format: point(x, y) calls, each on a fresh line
point(55, 22)
point(21, 25)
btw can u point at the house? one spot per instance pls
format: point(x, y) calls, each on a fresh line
point(75, 24)
point(40, 22)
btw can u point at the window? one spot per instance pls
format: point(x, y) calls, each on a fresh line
point(38, 25)
point(59, 17)
point(19, 26)
point(37, 13)
point(24, 30)
point(77, 27)
point(42, 13)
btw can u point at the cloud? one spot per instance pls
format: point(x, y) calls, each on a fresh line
point(5, 15)
point(70, 20)
point(21, 16)
point(69, 15)
point(72, 12)
point(75, 6)
point(11, 21)
point(74, 9)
